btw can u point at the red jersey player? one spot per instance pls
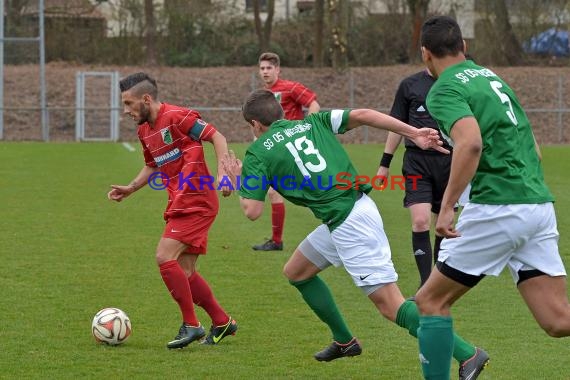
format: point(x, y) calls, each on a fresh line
point(171, 138)
point(292, 96)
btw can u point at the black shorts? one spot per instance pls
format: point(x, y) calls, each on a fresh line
point(426, 176)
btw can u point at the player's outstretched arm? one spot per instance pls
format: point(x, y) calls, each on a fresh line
point(425, 138)
point(120, 192)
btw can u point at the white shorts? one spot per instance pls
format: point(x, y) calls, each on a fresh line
point(359, 244)
point(520, 236)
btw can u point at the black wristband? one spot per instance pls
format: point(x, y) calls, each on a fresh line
point(386, 160)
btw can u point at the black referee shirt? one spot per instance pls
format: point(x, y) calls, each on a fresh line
point(410, 104)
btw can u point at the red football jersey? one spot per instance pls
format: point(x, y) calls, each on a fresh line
point(174, 146)
point(293, 96)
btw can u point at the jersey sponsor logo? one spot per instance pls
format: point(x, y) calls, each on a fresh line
point(167, 157)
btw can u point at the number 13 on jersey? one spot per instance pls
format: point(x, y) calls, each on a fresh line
point(306, 146)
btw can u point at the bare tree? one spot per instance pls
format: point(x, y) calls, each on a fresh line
point(534, 17)
point(319, 33)
point(496, 40)
point(339, 17)
point(263, 30)
point(510, 45)
point(418, 11)
point(150, 33)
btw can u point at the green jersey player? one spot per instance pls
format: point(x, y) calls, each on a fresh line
point(510, 219)
point(306, 164)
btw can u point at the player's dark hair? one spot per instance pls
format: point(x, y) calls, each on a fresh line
point(262, 106)
point(441, 35)
point(139, 83)
point(271, 57)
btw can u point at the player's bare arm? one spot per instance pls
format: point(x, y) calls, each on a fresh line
point(252, 209)
point(467, 149)
point(221, 149)
point(313, 107)
point(120, 192)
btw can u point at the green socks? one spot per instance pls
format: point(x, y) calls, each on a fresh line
point(408, 317)
point(319, 298)
point(435, 337)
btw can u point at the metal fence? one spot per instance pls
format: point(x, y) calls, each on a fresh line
point(546, 105)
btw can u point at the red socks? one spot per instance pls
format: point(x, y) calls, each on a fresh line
point(177, 283)
point(204, 298)
point(277, 221)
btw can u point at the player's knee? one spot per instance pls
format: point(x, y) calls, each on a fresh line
point(162, 257)
point(557, 328)
point(421, 303)
point(555, 331)
point(428, 305)
point(289, 273)
point(420, 224)
point(275, 197)
point(294, 274)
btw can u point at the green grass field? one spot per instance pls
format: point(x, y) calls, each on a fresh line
point(68, 252)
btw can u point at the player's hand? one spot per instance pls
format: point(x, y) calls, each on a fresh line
point(232, 166)
point(118, 192)
point(226, 189)
point(445, 223)
point(428, 138)
point(383, 173)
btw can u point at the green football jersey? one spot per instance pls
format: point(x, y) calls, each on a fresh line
point(509, 170)
point(306, 164)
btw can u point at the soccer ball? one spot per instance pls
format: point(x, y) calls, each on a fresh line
point(111, 326)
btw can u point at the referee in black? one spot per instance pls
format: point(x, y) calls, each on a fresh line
point(423, 194)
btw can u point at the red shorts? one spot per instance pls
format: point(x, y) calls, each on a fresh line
point(191, 230)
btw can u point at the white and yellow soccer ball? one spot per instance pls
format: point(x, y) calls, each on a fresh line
point(111, 326)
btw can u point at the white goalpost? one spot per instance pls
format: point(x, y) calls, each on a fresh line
point(97, 122)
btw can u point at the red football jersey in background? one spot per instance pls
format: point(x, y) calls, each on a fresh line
point(293, 96)
point(174, 146)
